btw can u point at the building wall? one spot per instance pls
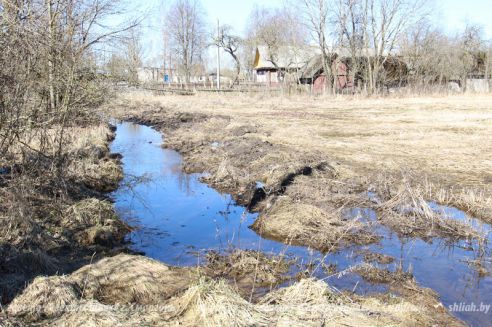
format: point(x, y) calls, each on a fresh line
point(319, 84)
point(343, 81)
point(267, 76)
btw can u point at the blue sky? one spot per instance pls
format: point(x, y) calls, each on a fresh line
point(452, 15)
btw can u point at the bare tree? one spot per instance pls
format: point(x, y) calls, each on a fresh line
point(472, 53)
point(371, 30)
point(273, 28)
point(116, 68)
point(133, 55)
point(384, 22)
point(315, 14)
point(429, 53)
point(349, 27)
point(185, 26)
point(230, 43)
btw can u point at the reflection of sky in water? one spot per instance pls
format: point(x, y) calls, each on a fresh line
point(178, 215)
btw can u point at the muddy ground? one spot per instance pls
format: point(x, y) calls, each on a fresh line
point(304, 163)
point(48, 229)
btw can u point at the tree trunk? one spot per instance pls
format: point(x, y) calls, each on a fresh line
point(51, 56)
point(238, 69)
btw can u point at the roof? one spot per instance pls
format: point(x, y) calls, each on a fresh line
point(313, 67)
point(285, 57)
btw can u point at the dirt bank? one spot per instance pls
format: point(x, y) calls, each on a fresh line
point(305, 165)
point(51, 224)
point(131, 290)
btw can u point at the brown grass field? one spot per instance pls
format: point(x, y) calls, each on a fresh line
point(449, 137)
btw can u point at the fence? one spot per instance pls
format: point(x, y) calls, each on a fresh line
point(210, 87)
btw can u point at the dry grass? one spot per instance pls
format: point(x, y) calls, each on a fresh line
point(445, 135)
point(94, 222)
point(52, 222)
point(247, 267)
point(306, 224)
point(128, 279)
point(47, 298)
point(407, 210)
point(76, 140)
point(150, 293)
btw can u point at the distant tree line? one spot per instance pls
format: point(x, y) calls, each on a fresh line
point(375, 35)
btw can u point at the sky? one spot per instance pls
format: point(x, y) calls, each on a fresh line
point(452, 15)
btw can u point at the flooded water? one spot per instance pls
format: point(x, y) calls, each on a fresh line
point(179, 217)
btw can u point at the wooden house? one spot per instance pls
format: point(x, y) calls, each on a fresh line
point(394, 71)
point(274, 66)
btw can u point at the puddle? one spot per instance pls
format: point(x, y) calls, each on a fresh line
point(179, 217)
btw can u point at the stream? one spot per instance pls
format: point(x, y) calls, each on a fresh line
point(179, 218)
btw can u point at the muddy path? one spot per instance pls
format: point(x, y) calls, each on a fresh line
point(354, 246)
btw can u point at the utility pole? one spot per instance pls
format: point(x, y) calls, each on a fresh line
point(218, 55)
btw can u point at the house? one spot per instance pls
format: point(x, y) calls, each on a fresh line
point(394, 71)
point(273, 66)
point(313, 74)
point(478, 78)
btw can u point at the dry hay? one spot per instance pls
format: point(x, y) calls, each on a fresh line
point(91, 162)
point(89, 212)
point(215, 303)
point(476, 201)
point(312, 302)
point(89, 313)
point(373, 257)
point(247, 269)
point(10, 322)
point(45, 298)
point(306, 292)
point(134, 291)
point(17, 230)
point(43, 229)
point(130, 279)
point(31, 247)
point(123, 279)
point(94, 222)
point(103, 176)
point(305, 224)
point(378, 275)
point(405, 208)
